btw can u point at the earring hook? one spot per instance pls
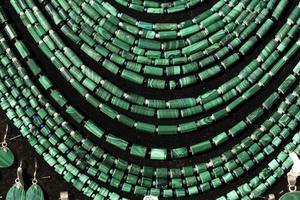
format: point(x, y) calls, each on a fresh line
point(34, 180)
point(19, 180)
point(6, 131)
point(4, 143)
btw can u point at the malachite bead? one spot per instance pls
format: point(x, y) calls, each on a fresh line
point(158, 154)
point(179, 152)
point(201, 147)
point(138, 150)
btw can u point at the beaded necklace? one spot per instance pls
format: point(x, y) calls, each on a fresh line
point(244, 88)
point(203, 176)
point(159, 8)
point(138, 68)
point(142, 150)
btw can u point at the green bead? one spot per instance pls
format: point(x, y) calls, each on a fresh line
point(179, 152)
point(93, 128)
point(200, 147)
point(205, 177)
point(132, 76)
point(122, 144)
point(167, 113)
point(166, 129)
point(244, 189)
point(232, 195)
point(145, 127)
point(158, 154)
point(187, 127)
point(221, 138)
point(149, 44)
point(138, 150)
point(7, 158)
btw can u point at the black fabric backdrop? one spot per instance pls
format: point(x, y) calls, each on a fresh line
point(53, 185)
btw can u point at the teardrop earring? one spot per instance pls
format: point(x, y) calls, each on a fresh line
point(17, 192)
point(35, 191)
point(7, 157)
point(293, 194)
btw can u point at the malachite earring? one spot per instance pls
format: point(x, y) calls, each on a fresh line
point(7, 157)
point(35, 191)
point(17, 192)
point(293, 194)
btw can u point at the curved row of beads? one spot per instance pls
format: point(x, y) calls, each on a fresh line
point(92, 21)
point(268, 176)
point(124, 104)
point(140, 98)
point(72, 178)
point(87, 29)
point(91, 147)
point(134, 148)
point(146, 100)
point(155, 7)
point(25, 79)
point(141, 125)
point(112, 60)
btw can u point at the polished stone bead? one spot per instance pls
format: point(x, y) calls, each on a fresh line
point(205, 177)
point(132, 76)
point(181, 103)
point(122, 144)
point(149, 44)
point(156, 83)
point(75, 114)
point(179, 152)
point(187, 127)
point(166, 129)
point(145, 127)
point(167, 113)
point(233, 195)
point(195, 47)
point(200, 147)
point(153, 70)
point(158, 154)
point(221, 138)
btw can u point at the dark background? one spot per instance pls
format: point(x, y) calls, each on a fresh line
point(55, 184)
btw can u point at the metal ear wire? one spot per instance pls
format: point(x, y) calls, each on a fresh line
point(34, 180)
point(6, 131)
point(4, 143)
point(19, 169)
point(19, 180)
